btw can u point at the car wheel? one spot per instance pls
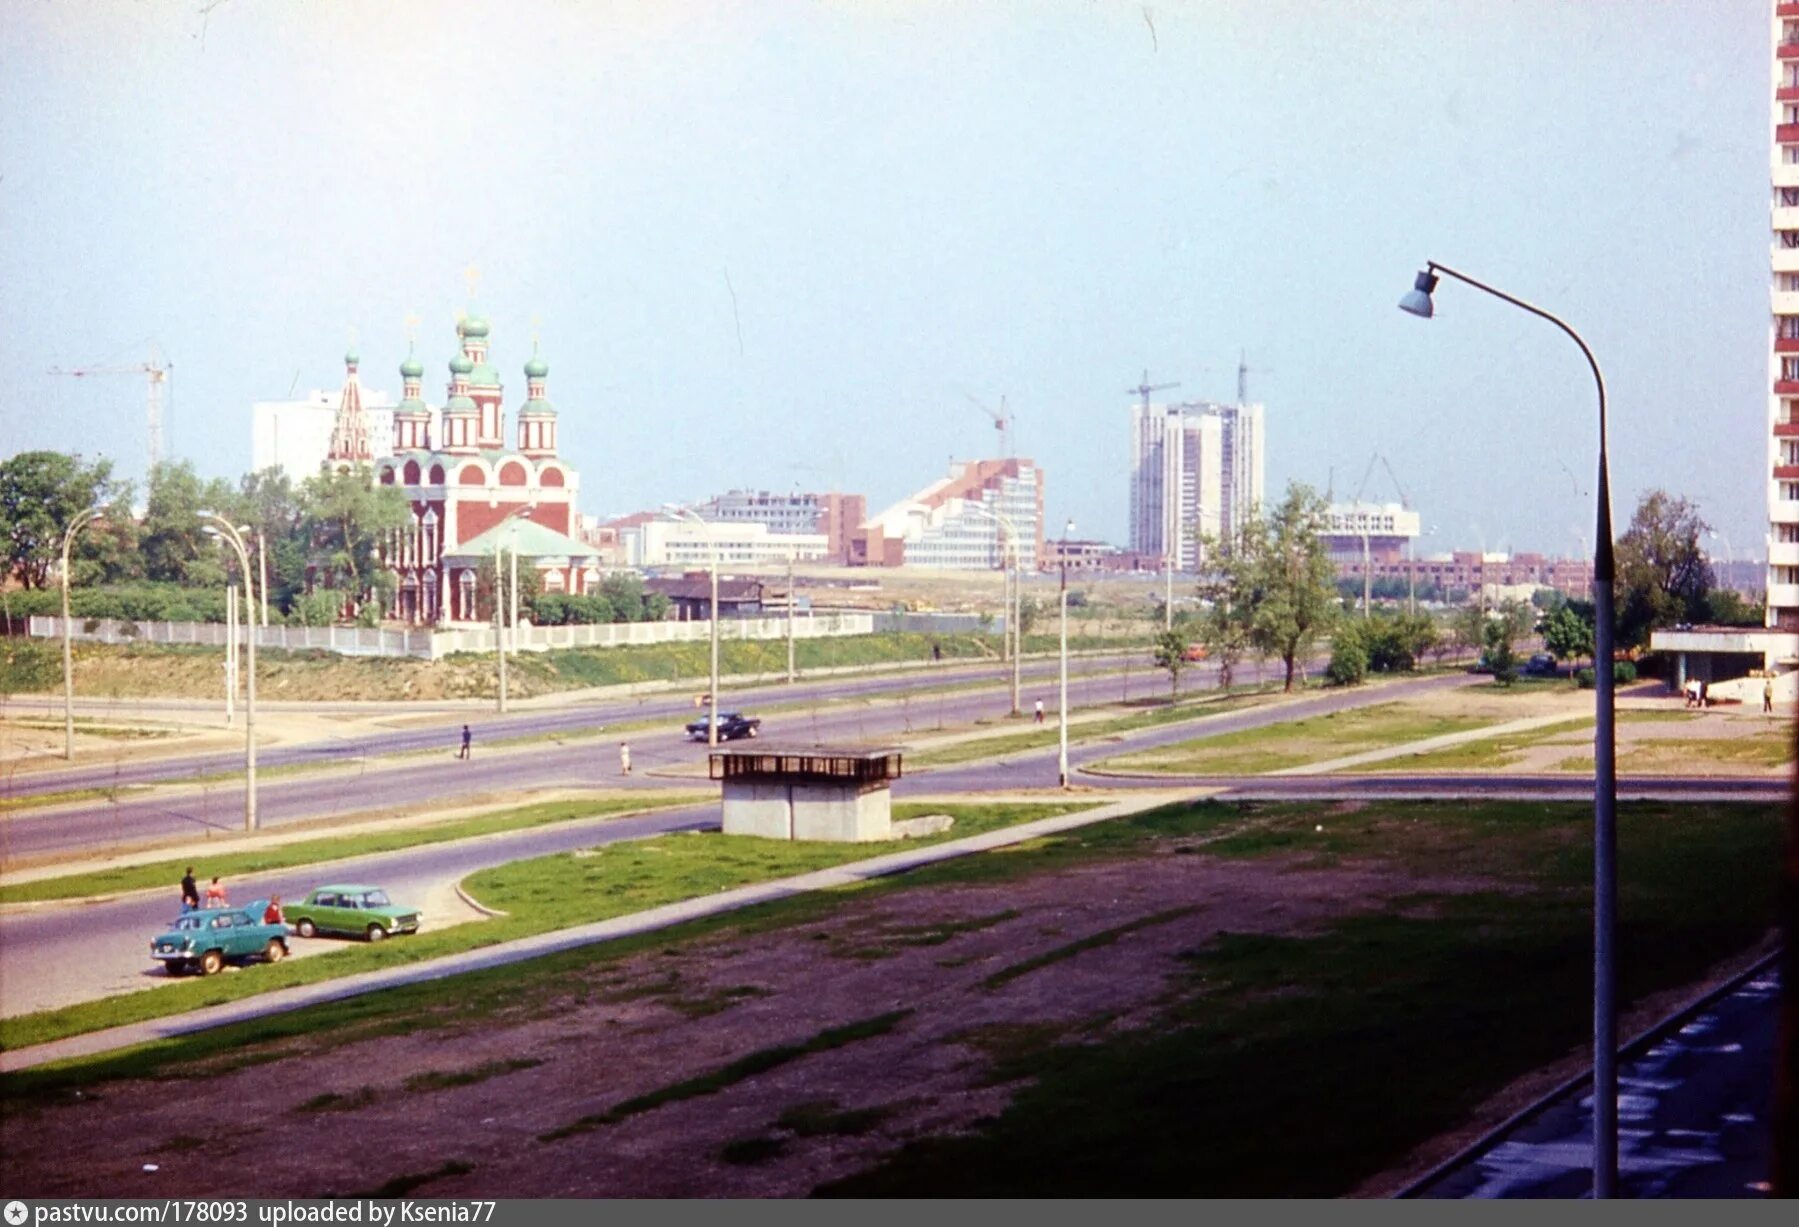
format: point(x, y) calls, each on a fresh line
point(306, 929)
point(211, 962)
point(275, 951)
point(376, 933)
point(750, 733)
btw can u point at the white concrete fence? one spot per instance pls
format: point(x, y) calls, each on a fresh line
point(431, 644)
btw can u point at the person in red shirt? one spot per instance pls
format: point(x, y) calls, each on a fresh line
point(215, 894)
point(272, 914)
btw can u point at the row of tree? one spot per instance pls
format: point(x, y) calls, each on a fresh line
point(321, 542)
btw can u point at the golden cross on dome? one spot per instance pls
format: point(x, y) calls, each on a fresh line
point(474, 277)
point(536, 329)
point(412, 326)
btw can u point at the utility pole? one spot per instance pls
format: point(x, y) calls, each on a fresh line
point(499, 617)
point(223, 528)
point(1062, 718)
point(81, 520)
point(791, 675)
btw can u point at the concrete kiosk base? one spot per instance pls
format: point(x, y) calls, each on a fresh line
point(817, 793)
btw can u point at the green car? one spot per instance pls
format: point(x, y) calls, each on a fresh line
point(352, 911)
point(204, 941)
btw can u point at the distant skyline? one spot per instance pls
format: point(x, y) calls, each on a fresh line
point(770, 245)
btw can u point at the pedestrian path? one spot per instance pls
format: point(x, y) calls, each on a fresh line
point(96, 1042)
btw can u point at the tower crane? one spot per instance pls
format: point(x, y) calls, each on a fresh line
point(1146, 387)
point(157, 370)
point(1002, 422)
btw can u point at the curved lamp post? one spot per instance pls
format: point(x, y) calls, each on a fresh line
point(1013, 631)
point(81, 521)
point(688, 513)
point(223, 529)
point(1605, 779)
point(1062, 715)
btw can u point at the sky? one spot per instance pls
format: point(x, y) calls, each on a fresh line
point(780, 245)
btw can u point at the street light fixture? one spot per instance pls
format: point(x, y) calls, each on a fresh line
point(82, 520)
point(687, 513)
point(225, 530)
point(1014, 632)
point(1418, 302)
point(1062, 717)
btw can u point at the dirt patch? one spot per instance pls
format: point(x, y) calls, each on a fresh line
point(744, 1065)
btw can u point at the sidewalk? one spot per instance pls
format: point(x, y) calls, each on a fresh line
point(96, 1042)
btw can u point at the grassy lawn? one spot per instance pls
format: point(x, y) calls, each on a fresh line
point(36, 800)
point(1271, 1066)
point(1454, 994)
point(538, 895)
point(1041, 737)
point(333, 847)
point(1760, 747)
point(1297, 742)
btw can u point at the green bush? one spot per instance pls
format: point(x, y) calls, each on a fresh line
point(1349, 657)
point(1623, 672)
point(1585, 680)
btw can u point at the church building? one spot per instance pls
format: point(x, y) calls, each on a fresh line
point(471, 495)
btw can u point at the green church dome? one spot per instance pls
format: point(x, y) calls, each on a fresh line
point(412, 368)
point(536, 368)
point(473, 326)
point(350, 358)
point(485, 375)
point(461, 365)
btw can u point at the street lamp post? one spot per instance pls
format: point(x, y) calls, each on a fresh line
point(1062, 718)
point(791, 674)
point(1014, 603)
point(1605, 780)
point(223, 528)
point(81, 521)
point(687, 513)
point(499, 615)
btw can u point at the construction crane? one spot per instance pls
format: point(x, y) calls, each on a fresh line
point(1380, 459)
point(1002, 422)
point(158, 372)
point(1243, 376)
point(1146, 387)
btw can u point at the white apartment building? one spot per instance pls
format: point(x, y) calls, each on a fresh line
point(682, 543)
point(296, 434)
point(1196, 469)
point(1782, 459)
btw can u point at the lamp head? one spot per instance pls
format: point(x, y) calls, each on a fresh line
point(1417, 300)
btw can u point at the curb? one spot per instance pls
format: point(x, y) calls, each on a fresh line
point(281, 1001)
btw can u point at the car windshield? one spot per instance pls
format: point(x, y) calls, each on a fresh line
point(376, 898)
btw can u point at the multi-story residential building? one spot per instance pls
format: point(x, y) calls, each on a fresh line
point(656, 541)
point(795, 514)
point(961, 523)
point(1783, 356)
point(1196, 470)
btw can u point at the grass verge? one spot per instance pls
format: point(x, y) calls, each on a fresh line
point(539, 895)
point(1297, 742)
point(331, 848)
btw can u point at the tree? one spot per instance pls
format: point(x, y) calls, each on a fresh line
point(1349, 653)
point(346, 518)
point(1286, 578)
point(1568, 632)
point(1030, 609)
point(1726, 607)
point(1663, 575)
point(1223, 626)
point(174, 548)
point(40, 494)
point(1171, 654)
point(1499, 655)
point(1468, 629)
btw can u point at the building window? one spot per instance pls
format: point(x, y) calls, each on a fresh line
point(1788, 534)
point(1789, 491)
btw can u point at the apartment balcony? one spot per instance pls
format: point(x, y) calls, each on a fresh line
point(1786, 345)
point(1787, 93)
point(1787, 134)
point(1786, 387)
point(1783, 259)
point(1781, 511)
point(1787, 51)
point(1786, 472)
point(1786, 9)
point(1783, 596)
point(1782, 174)
point(1783, 554)
point(1786, 430)
point(1785, 217)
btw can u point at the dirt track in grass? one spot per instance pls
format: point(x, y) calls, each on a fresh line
point(947, 980)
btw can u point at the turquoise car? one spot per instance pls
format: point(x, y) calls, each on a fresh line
point(352, 911)
point(204, 941)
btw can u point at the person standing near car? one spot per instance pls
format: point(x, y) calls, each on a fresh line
point(271, 915)
point(215, 894)
point(624, 758)
point(190, 891)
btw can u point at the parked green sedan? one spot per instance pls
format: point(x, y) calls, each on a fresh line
point(205, 941)
point(353, 911)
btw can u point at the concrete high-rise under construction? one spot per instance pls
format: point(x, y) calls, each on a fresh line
point(1196, 470)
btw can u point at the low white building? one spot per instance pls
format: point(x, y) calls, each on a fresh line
point(682, 543)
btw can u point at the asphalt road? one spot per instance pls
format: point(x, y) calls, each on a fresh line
point(675, 706)
point(104, 825)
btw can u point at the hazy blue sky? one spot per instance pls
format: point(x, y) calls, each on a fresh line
point(782, 243)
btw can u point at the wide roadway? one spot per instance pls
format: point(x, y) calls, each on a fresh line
point(55, 955)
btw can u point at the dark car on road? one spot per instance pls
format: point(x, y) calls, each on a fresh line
point(731, 725)
point(204, 941)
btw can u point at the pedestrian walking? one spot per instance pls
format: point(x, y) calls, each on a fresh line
point(215, 894)
point(624, 758)
point(1767, 695)
point(1692, 692)
point(190, 891)
point(1037, 712)
point(466, 738)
